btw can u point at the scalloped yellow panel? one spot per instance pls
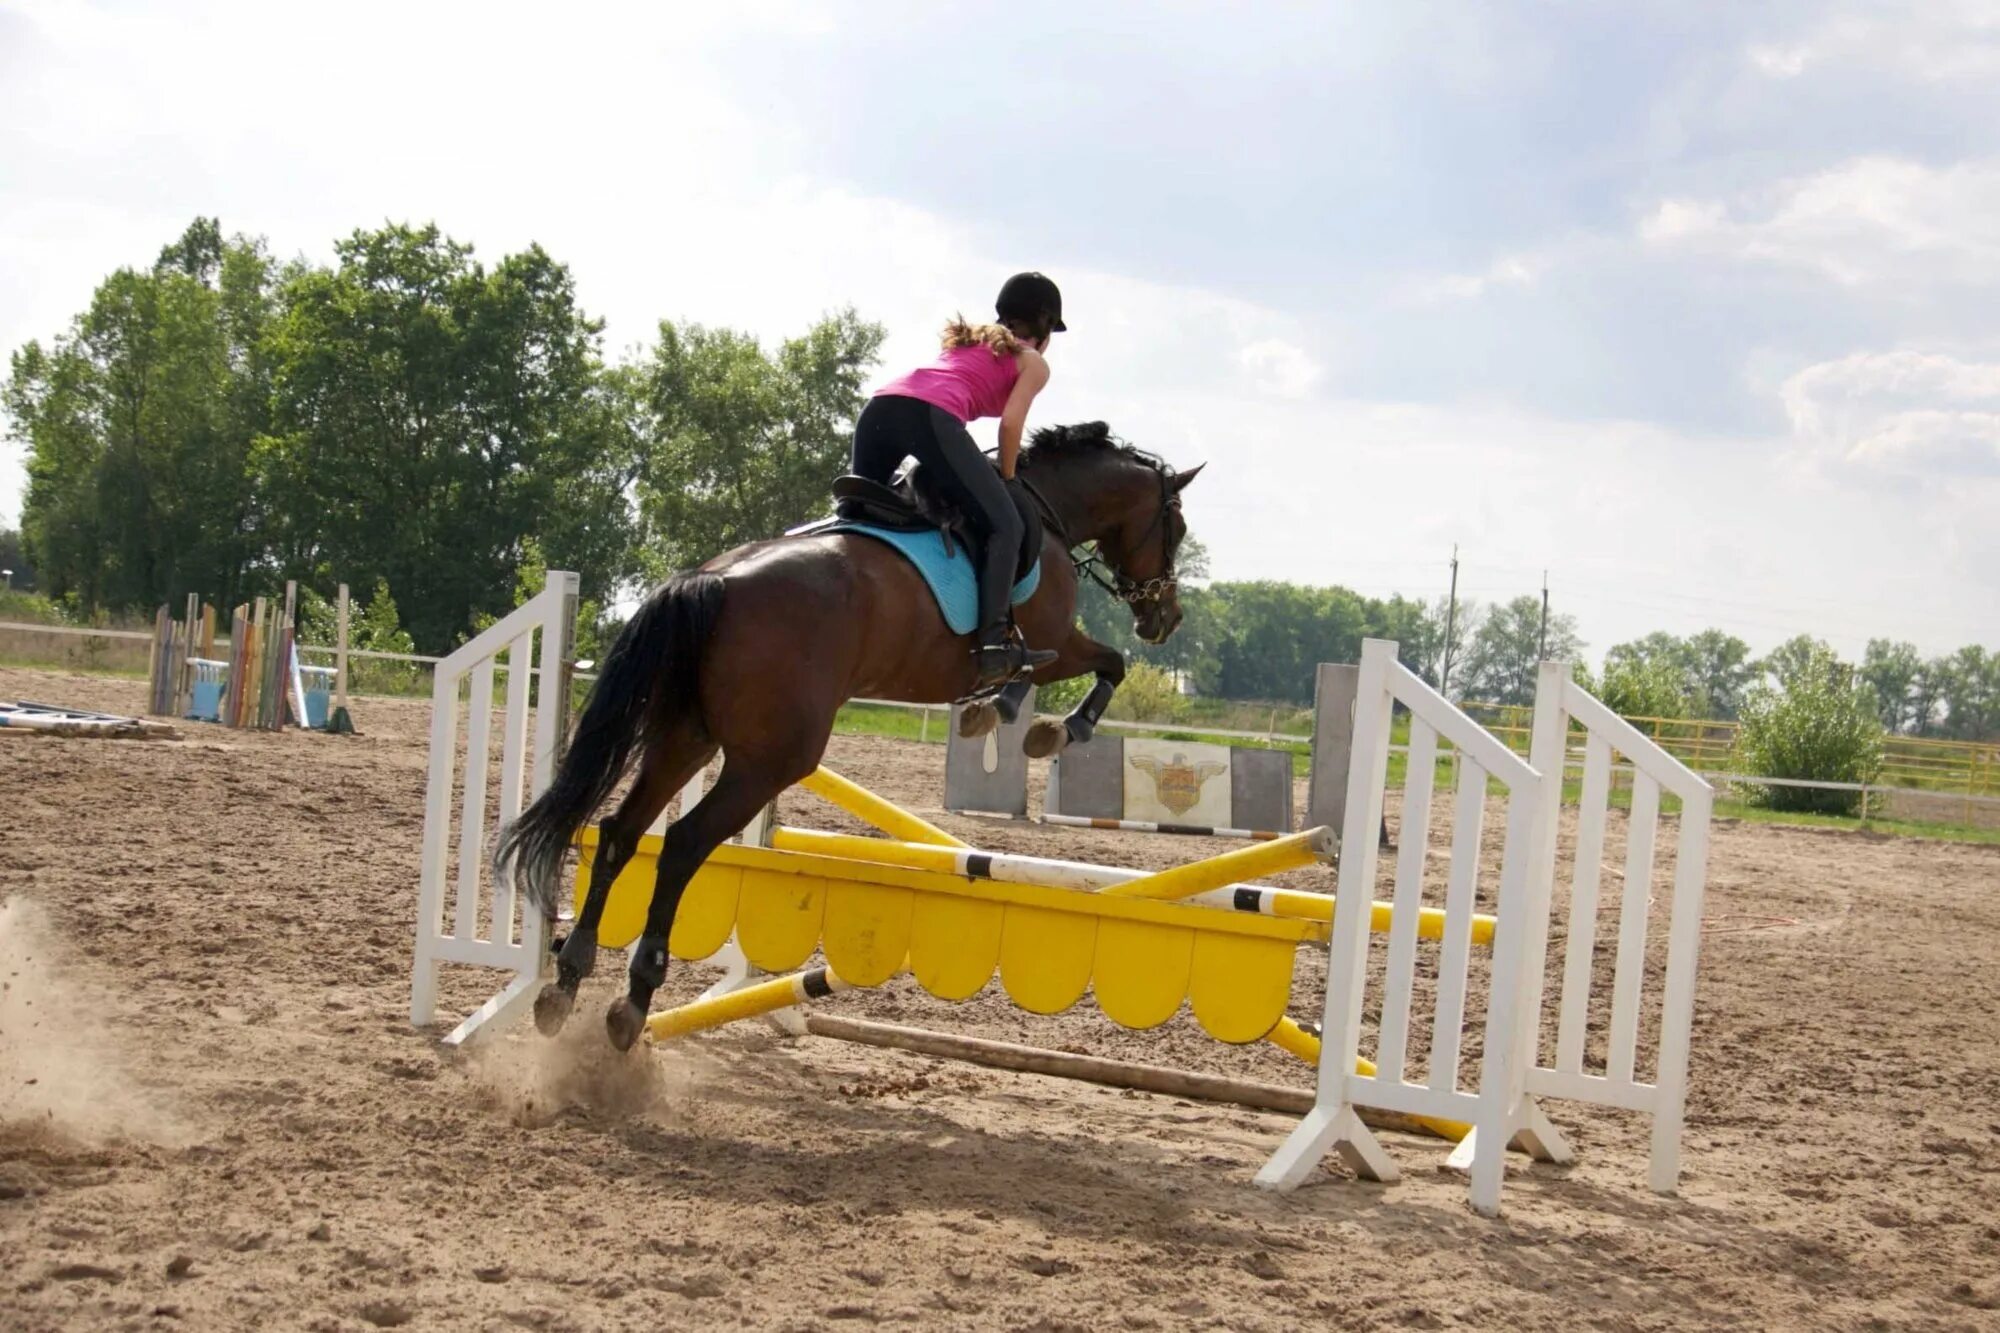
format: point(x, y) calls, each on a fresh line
point(631, 894)
point(778, 918)
point(1045, 957)
point(954, 944)
point(1142, 971)
point(1239, 985)
point(867, 936)
point(707, 912)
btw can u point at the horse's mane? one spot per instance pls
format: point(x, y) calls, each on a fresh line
point(1087, 439)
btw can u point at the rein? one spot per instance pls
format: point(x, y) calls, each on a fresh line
point(1093, 565)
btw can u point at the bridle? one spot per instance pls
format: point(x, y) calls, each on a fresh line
point(1092, 563)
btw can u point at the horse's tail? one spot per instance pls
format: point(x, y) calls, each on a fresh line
point(650, 676)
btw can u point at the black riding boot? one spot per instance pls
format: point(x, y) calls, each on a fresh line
point(1002, 653)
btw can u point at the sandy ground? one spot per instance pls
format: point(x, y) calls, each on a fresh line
point(214, 1113)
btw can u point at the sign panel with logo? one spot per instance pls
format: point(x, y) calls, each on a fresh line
point(1177, 782)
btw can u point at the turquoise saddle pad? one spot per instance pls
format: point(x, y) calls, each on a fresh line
point(948, 570)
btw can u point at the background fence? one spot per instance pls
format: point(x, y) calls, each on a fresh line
point(1922, 779)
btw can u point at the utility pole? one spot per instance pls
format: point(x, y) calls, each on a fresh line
point(1450, 619)
point(1542, 634)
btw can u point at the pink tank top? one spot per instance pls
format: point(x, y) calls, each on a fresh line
point(968, 382)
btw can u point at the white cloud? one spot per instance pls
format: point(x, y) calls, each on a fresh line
point(1870, 220)
point(1680, 219)
point(1937, 41)
point(1280, 368)
point(1916, 416)
point(1517, 270)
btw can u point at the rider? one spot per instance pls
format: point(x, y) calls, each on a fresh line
point(984, 370)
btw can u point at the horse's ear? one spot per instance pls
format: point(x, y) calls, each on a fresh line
point(1181, 479)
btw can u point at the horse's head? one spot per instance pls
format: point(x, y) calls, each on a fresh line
point(1126, 501)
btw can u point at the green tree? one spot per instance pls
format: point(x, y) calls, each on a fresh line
point(373, 625)
point(1500, 662)
point(1634, 687)
point(1721, 670)
point(139, 426)
point(1797, 655)
point(1817, 725)
point(1890, 671)
point(1928, 692)
point(1708, 672)
point(737, 444)
point(1969, 689)
point(14, 556)
point(431, 416)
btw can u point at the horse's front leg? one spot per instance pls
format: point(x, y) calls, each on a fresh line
point(1078, 654)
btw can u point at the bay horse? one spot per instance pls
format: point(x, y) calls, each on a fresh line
point(754, 652)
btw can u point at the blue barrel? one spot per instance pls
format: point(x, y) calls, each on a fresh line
point(318, 683)
point(205, 697)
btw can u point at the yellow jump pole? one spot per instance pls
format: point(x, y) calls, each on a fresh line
point(1043, 872)
point(1217, 872)
point(763, 998)
point(865, 805)
point(1289, 1037)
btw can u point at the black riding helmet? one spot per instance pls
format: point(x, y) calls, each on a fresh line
point(1029, 296)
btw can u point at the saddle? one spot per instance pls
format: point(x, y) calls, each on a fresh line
point(909, 506)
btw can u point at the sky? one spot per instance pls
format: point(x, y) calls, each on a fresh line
point(1690, 305)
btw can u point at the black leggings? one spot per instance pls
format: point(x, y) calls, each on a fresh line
point(893, 428)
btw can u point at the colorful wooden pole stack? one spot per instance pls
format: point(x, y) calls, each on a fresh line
point(176, 643)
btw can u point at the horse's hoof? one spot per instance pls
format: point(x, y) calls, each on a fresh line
point(977, 720)
point(552, 1008)
point(1047, 738)
point(624, 1020)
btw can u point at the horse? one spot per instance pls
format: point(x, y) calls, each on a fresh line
point(753, 653)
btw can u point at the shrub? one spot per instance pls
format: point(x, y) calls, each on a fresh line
point(1148, 694)
point(1817, 727)
point(1062, 695)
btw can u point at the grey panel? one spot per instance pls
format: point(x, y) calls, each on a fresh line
point(1260, 789)
point(1088, 780)
point(967, 784)
point(1334, 689)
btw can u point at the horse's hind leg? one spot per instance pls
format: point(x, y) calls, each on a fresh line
point(747, 784)
point(666, 768)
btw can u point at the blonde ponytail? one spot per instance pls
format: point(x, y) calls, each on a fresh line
point(998, 337)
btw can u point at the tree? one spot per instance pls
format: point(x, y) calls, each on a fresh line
point(1928, 692)
point(139, 425)
point(1500, 663)
point(1636, 687)
point(1969, 687)
point(1890, 671)
point(1720, 669)
point(431, 416)
point(738, 444)
point(14, 556)
point(1706, 673)
point(1795, 656)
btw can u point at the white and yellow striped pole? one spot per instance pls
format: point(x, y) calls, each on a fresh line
point(1008, 868)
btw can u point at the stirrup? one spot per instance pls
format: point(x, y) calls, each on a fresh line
point(1003, 661)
